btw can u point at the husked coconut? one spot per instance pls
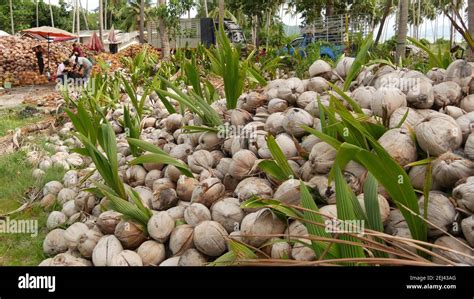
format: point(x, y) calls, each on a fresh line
point(52, 187)
point(242, 164)
point(171, 262)
point(88, 241)
point(208, 191)
point(196, 213)
point(253, 186)
point(164, 194)
point(386, 100)
point(460, 71)
point(277, 105)
point(305, 98)
point(413, 118)
point(469, 147)
point(68, 260)
point(55, 220)
point(151, 253)
point(252, 100)
point(364, 96)
point(399, 145)
point(384, 206)
point(441, 212)
point(291, 90)
point(447, 93)
point(467, 226)
point(65, 195)
point(417, 178)
point(464, 193)
point(320, 68)
point(55, 242)
point(452, 111)
point(466, 123)
point(160, 226)
point(343, 66)
point(467, 104)
point(317, 84)
point(200, 160)
point(73, 233)
point(322, 157)
point(131, 235)
point(458, 245)
point(126, 258)
point(185, 187)
point(135, 175)
point(228, 213)
point(274, 123)
point(294, 119)
point(449, 168)
point(210, 238)
point(240, 117)
point(288, 192)
point(107, 221)
point(85, 201)
point(421, 95)
point(181, 239)
point(437, 75)
point(438, 133)
point(256, 227)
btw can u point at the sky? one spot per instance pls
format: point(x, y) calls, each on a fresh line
point(433, 28)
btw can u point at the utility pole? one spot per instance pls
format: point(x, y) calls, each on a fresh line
point(11, 17)
point(37, 12)
point(51, 13)
point(101, 21)
point(142, 21)
point(78, 19)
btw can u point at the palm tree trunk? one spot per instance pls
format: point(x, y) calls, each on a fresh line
point(329, 8)
point(164, 37)
point(51, 13)
point(142, 21)
point(11, 17)
point(470, 16)
point(206, 10)
point(37, 13)
point(78, 18)
point(105, 16)
point(402, 31)
point(84, 14)
point(101, 20)
point(386, 12)
point(221, 11)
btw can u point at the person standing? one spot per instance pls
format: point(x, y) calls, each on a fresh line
point(39, 57)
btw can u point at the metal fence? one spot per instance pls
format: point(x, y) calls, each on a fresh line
point(334, 29)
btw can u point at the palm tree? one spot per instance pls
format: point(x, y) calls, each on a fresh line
point(130, 14)
point(142, 21)
point(470, 19)
point(101, 20)
point(402, 30)
point(164, 36)
point(11, 17)
point(51, 13)
point(37, 13)
point(221, 11)
point(386, 13)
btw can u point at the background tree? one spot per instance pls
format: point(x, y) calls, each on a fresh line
point(470, 13)
point(402, 30)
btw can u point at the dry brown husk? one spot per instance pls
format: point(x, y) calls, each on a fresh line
point(130, 234)
point(400, 145)
point(438, 133)
point(464, 193)
point(441, 212)
point(449, 168)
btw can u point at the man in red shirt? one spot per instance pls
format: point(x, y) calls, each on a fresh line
point(77, 51)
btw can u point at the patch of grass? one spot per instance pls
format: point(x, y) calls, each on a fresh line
point(10, 120)
point(16, 177)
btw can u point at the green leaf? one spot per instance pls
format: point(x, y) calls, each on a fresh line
point(279, 157)
point(359, 61)
point(272, 169)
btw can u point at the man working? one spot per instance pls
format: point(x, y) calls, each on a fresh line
point(77, 51)
point(85, 64)
point(39, 57)
point(61, 73)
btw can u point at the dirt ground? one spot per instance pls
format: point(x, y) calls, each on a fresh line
point(13, 97)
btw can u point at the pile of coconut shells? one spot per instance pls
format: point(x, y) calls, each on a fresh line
point(193, 218)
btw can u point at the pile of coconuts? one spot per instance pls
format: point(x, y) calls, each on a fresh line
point(193, 218)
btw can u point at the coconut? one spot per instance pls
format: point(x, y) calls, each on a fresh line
point(52, 187)
point(288, 192)
point(181, 152)
point(87, 242)
point(126, 258)
point(70, 179)
point(172, 122)
point(386, 100)
point(85, 201)
point(437, 75)
point(253, 186)
point(107, 247)
point(417, 178)
point(317, 84)
point(171, 262)
point(239, 117)
point(294, 118)
point(145, 194)
point(305, 98)
point(151, 253)
point(192, 257)
point(452, 111)
point(441, 212)
point(399, 145)
point(208, 191)
point(384, 206)
point(421, 95)
point(73, 233)
point(438, 133)
point(447, 93)
point(242, 164)
point(460, 71)
point(66, 194)
point(160, 226)
point(130, 234)
point(274, 123)
point(55, 220)
point(301, 252)
point(210, 238)
point(291, 90)
point(256, 227)
point(449, 168)
point(413, 118)
point(320, 68)
point(464, 193)
point(196, 213)
point(456, 244)
point(200, 160)
point(48, 201)
point(55, 242)
point(68, 260)
point(364, 95)
point(466, 123)
point(469, 147)
point(107, 221)
point(467, 226)
point(185, 187)
point(280, 249)
point(135, 176)
point(250, 101)
point(308, 142)
point(181, 239)
point(38, 173)
point(228, 213)
point(277, 105)
point(467, 104)
point(322, 157)
point(164, 194)
point(69, 208)
point(395, 222)
point(343, 66)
